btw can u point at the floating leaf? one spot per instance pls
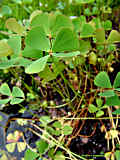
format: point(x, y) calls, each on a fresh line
point(37, 39)
point(102, 80)
point(42, 146)
point(66, 40)
point(5, 90)
point(5, 49)
point(87, 31)
point(14, 26)
point(67, 130)
point(17, 92)
point(116, 83)
point(37, 66)
point(30, 155)
point(100, 35)
point(108, 93)
point(113, 37)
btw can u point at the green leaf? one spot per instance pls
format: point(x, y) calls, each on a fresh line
point(107, 25)
point(30, 155)
point(57, 124)
point(100, 35)
point(113, 101)
point(84, 47)
point(117, 154)
point(108, 93)
point(31, 53)
point(78, 22)
point(87, 31)
point(116, 83)
point(67, 130)
point(41, 19)
point(59, 22)
point(84, 1)
point(5, 90)
point(47, 74)
point(64, 55)
point(113, 37)
point(14, 26)
point(4, 101)
point(45, 119)
point(5, 10)
point(15, 44)
point(102, 80)
point(5, 49)
point(17, 92)
point(19, 61)
point(99, 113)
point(16, 101)
point(99, 102)
point(42, 146)
point(37, 66)
point(37, 39)
point(66, 40)
point(116, 112)
point(92, 108)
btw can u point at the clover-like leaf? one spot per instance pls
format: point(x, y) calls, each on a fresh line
point(107, 93)
point(15, 44)
point(14, 26)
point(16, 101)
point(30, 155)
point(37, 39)
point(37, 66)
point(102, 80)
point(66, 40)
point(5, 90)
point(116, 83)
point(17, 92)
point(42, 146)
point(100, 35)
point(113, 37)
point(5, 49)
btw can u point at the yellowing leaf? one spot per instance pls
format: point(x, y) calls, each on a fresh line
point(21, 146)
point(5, 49)
point(14, 26)
point(11, 147)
